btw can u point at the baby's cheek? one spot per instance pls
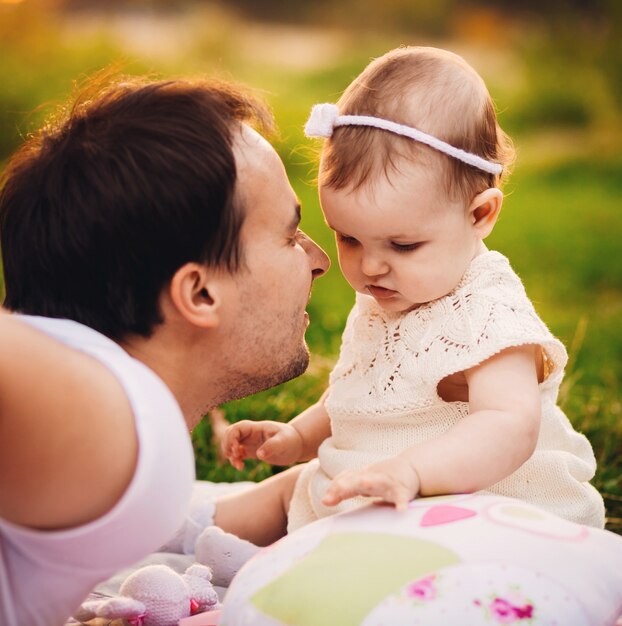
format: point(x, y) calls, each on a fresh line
point(349, 272)
point(443, 277)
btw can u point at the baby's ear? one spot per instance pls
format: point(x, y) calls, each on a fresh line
point(484, 211)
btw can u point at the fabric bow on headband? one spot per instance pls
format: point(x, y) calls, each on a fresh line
point(325, 118)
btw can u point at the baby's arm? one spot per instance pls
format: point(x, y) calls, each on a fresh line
point(494, 440)
point(278, 443)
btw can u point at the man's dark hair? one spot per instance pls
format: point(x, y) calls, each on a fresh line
point(101, 207)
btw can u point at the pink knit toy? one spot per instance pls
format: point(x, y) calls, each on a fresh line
point(156, 595)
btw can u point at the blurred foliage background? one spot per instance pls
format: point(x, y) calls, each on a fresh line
point(554, 69)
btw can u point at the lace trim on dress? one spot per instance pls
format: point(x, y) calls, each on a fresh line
point(398, 360)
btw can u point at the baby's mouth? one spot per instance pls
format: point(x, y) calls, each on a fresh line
point(381, 293)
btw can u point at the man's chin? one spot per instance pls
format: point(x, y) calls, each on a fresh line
point(250, 384)
point(296, 367)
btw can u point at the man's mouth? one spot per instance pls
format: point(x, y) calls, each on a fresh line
point(381, 293)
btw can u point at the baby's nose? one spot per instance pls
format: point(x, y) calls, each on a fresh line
point(373, 265)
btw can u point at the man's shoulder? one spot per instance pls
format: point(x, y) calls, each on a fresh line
point(135, 377)
point(71, 333)
point(108, 446)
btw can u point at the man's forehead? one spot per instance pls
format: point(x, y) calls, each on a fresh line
point(262, 183)
point(258, 166)
point(248, 145)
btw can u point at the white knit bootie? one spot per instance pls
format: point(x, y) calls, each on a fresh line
point(223, 553)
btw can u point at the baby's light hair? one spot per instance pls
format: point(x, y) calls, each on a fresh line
point(432, 90)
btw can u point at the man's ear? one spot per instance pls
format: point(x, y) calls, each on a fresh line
point(484, 211)
point(196, 293)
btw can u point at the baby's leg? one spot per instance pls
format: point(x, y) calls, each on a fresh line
point(254, 517)
point(243, 521)
point(258, 514)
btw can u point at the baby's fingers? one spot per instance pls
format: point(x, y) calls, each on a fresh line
point(276, 449)
point(334, 495)
point(230, 440)
point(236, 456)
point(376, 485)
point(348, 485)
point(271, 448)
point(238, 442)
point(400, 496)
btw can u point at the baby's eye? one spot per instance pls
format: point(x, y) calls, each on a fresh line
point(405, 247)
point(350, 241)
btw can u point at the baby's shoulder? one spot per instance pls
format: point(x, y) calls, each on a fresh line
point(489, 290)
point(491, 276)
point(488, 312)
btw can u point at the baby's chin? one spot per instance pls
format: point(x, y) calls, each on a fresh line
point(395, 304)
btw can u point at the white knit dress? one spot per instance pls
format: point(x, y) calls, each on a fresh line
point(383, 393)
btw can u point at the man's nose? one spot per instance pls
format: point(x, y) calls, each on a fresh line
point(373, 265)
point(319, 259)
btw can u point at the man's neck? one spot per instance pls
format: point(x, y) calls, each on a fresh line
point(175, 365)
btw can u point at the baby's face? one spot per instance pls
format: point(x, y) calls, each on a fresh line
point(402, 240)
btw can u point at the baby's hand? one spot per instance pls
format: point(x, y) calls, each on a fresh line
point(273, 442)
point(394, 480)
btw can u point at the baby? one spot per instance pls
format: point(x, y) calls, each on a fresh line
point(447, 379)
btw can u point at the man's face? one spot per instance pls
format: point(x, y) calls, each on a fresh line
point(267, 320)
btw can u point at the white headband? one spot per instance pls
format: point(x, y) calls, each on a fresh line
point(325, 117)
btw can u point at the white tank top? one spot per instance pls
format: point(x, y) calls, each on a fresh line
point(45, 575)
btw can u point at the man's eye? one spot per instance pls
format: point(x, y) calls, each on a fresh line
point(405, 247)
point(297, 238)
